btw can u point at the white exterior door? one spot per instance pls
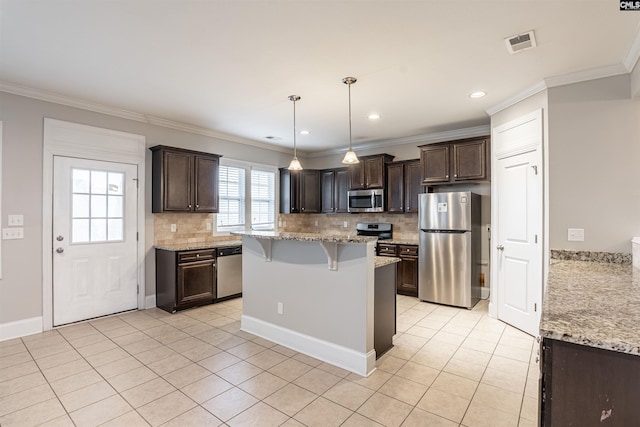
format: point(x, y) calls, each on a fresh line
point(95, 269)
point(519, 241)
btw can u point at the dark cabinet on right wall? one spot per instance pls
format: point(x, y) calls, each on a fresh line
point(404, 183)
point(464, 160)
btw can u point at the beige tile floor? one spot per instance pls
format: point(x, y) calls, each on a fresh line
point(449, 367)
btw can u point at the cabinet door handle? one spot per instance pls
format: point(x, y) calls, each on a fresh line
point(189, 206)
point(500, 247)
point(197, 206)
point(455, 176)
point(446, 176)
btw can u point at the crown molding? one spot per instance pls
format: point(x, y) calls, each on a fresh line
point(130, 115)
point(586, 75)
point(633, 56)
point(416, 139)
point(520, 96)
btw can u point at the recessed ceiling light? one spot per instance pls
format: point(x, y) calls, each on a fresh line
point(304, 132)
point(374, 116)
point(478, 94)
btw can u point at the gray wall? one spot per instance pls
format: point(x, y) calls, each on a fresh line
point(594, 164)
point(23, 118)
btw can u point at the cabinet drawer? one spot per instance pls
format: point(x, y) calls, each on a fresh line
point(196, 256)
point(385, 249)
point(408, 250)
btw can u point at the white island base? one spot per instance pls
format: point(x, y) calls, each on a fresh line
point(313, 294)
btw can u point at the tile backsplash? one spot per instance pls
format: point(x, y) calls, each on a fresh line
point(405, 226)
point(190, 228)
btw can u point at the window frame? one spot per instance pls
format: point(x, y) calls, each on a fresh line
point(249, 167)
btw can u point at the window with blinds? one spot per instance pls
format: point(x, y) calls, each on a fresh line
point(246, 203)
point(263, 200)
point(231, 198)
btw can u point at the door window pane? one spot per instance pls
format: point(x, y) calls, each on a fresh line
point(80, 206)
point(98, 230)
point(97, 211)
point(98, 182)
point(81, 180)
point(98, 206)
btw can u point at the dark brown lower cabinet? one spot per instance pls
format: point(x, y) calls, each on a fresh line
point(408, 270)
point(185, 278)
point(588, 386)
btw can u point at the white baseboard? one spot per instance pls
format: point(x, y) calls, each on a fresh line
point(150, 301)
point(20, 328)
point(360, 363)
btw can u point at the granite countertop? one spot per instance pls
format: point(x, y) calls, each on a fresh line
point(306, 237)
point(596, 304)
point(196, 246)
point(382, 261)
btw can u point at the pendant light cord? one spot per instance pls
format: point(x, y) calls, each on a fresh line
point(350, 149)
point(295, 153)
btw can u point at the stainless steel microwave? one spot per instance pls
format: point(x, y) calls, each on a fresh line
point(366, 200)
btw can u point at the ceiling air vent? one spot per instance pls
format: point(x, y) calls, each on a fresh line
point(520, 42)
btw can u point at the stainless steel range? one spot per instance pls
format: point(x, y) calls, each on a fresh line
point(381, 230)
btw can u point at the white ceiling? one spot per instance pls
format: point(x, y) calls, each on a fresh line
point(228, 66)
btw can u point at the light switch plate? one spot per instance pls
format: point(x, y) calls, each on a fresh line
point(173, 228)
point(13, 233)
point(15, 220)
point(575, 235)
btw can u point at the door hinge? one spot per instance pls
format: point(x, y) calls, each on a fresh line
point(535, 169)
point(138, 235)
point(535, 307)
point(137, 182)
point(536, 238)
point(138, 289)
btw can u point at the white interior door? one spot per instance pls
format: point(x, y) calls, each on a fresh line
point(519, 240)
point(94, 239)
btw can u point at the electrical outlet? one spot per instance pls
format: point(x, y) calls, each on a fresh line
point(346, 224)
point(315, 223)
point(174, 228)
point(280, 308)
point(208, 226)
point(575, 235)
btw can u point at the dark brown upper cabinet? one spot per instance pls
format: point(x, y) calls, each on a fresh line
point(299, 191)
point(464, 160)
point(184, 180)
point(404, 183)
point(334, 185)
point(369, 173)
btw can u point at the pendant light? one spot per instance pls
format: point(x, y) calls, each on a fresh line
point(350, 157)
point(295, 163)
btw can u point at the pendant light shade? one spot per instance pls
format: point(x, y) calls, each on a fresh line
point(350, 157)
point(295, 163)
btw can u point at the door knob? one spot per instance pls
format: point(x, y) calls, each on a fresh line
point(500, 247)
point(59, 250)
point(59, 238)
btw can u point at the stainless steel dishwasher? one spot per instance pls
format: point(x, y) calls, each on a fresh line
point(229, 272)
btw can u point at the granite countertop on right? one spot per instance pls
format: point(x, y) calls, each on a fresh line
point(593, 303)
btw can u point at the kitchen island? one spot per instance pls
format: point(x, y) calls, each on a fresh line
point(316, 294)
point(590, 344)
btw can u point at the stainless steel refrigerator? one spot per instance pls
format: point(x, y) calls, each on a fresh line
point(449, 254)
